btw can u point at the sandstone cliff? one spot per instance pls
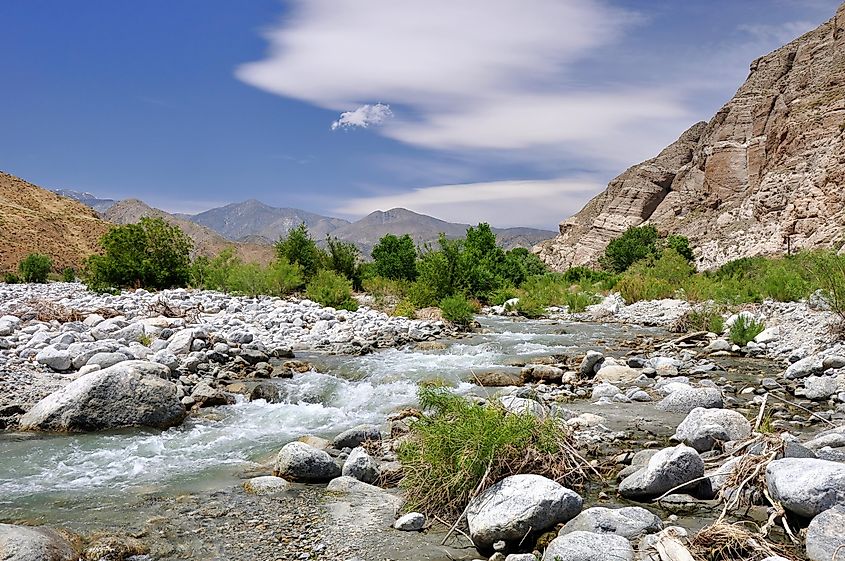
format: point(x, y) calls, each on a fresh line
point(768, 167)
point(33, 219)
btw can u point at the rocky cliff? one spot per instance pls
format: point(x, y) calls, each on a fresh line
point(767, 171)
point(33, 219)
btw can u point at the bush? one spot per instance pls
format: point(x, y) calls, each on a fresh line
point(395, 258)
point(457, 309)
point(345, 259)
point(68, 275)
point(745, 329)
point(706, 319)
point(652, 279)
point(828, 272)
point(635, 244)
point(452, 449)
point(331, 289)
point(11, 278)
point(405, 309)
point(35, 268)
point(502, 295)
point(298, 248)
point(528, 306)
point(151, 254)
point(520, 264)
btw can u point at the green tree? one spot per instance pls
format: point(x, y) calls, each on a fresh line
point(395, 258)
point(298, 248)
point(520, 264)
point(151, 254)
point(344, 258)
point(35, 268)
point(636, 243)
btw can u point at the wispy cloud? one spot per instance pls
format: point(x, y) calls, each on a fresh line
point(363, 117)
point(538, 203)
point(464, 76)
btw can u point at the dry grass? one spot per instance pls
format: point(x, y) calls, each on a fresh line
point(734, 542)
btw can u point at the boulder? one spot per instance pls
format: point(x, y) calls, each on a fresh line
point(128, 394)
point(630, 522)
point(806, 486)
point(356, 436)
point(517, 505)
point(522, 405)
point(702, 428)
point(824, 535)
point(23, 543)
point(495, 379)
point(206, 396)
point(587, 546)
point(541, 373)
point(266, 485)
point(180, 342)
point(300, 462)
point(589, 362)
point(820, 387)
point(361, 466)
point(666, 469)
point(59, 360)
point(617, 374)
point(684, 400)
point(104, 360)
point(807, 366)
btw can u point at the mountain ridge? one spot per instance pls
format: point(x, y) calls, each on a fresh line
point(764, 175)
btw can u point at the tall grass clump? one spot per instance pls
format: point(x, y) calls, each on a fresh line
point(745, 329)
point(540, 292)
point(461, 448)
point(457, 309)
point(828, 271)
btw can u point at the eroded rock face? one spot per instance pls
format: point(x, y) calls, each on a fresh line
point(769, 165)
point(22, 543)
point(128, 394)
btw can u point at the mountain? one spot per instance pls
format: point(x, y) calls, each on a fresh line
point(33, 219)
point(764, 174)
point(257, 220)
point(100, 205)
point(365, 233)
point(206, 241)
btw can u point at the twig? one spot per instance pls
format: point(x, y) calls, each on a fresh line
point(458, 530)
point(803, 409)
point(760, 414)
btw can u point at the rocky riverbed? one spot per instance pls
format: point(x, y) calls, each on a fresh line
point(267, 429)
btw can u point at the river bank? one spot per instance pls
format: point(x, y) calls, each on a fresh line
point(179, 491)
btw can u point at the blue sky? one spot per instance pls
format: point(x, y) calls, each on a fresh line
point(511, 112)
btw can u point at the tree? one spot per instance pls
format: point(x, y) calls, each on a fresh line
point(298, 248)
point(150, 254)
point(395, 258)
point(344, 258)
point(634, 244)
point(35, 268)
point(520, 264)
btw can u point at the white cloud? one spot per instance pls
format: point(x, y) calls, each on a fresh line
point(537, 203)
point(467, 76)
point(364, 116)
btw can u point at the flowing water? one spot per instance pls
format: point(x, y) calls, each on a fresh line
point(91, 477)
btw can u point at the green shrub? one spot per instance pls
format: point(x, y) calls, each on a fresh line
point(11, 278)
point(331, 289)
point(828, 272)
point(502, 295)
point(457, 309)
point(285, 278)
point(395, 258)
point(636, 243)
point(405, 309)
point(652, 279)
point(519, 265)
point(68, 274)
point(577, 301)
point(707, 318)
point(745, 329)
point(459, 442)
point(344, 258)
point(151, 254)
point(35, 268)
point(681, 245)
point(528, 306)
point(298, 248)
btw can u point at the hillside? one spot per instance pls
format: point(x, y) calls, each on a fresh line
point(33, 219)
point(206, 241)
point(256, 220)
point(767, 171)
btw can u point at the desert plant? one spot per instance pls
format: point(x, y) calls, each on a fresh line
point(462, 447)
point(405, 309)
point(11, 278)
point(35, 268)
point(151, 254)
point(331, 289)
point(395, 257)
point(744, 329)
point(68, 274)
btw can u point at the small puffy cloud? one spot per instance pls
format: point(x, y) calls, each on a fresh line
point(363, 117)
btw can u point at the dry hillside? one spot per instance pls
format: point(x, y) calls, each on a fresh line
point(33, 219)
